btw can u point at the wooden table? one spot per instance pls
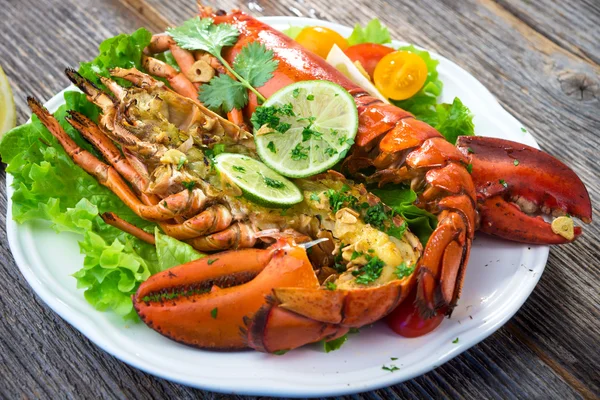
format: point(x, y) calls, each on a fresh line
point(539, 58)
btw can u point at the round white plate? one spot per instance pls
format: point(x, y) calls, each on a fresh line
point(500, 277)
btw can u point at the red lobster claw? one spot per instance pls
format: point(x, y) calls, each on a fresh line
point(515, 181)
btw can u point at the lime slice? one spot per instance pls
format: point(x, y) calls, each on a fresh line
point(8, 113)
point(317, 124)
point(258, 182)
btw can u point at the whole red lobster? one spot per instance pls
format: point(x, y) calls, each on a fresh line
point(474, 185)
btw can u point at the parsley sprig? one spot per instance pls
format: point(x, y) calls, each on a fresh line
point(252, 67)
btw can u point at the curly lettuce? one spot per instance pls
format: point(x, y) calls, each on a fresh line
point(123, 51)
point(49, 186)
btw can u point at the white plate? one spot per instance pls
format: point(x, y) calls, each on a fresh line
point(500, 277)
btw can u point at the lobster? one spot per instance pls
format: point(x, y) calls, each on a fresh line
point(271, 300)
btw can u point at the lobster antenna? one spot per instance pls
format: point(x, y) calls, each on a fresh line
point(308, 245)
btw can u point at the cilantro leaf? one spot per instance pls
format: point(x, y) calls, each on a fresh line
point(223, 93)
point(203, 34)
point(373, 32)
point(255, 63)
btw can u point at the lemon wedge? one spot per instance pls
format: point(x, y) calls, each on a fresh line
point(8, 112)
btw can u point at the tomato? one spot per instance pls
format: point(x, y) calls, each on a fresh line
point(320, 40)
point(406, 321)
point(400, 75)
point(368, 54)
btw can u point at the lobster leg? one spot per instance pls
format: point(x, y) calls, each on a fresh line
point(203, 303)
point(168, 208)
point(515, 181)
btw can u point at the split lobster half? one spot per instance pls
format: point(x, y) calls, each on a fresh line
point(272, 300)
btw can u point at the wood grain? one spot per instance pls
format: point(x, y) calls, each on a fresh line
point(540, 59)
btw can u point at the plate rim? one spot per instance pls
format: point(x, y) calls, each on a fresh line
point(78, 320)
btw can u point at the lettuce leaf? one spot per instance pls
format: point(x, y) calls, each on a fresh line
point(373, 32)
point(293, 31)
point(401, 200)
point(172, 252)
point(49, 186)
point(123, 51)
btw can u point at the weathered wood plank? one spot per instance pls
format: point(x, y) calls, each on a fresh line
point(548, 350)
point(574, 28)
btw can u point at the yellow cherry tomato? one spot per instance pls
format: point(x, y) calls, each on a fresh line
point(400, 75)
point(320, 40)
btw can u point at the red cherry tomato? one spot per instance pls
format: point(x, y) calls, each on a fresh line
point(368, 54)
point(406, 321)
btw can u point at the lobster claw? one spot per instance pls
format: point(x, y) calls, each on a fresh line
point(203, 303)
point(295, 316)
point(514, 182)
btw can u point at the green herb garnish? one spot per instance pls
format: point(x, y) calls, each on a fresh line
point(299, 152)
point(253, 66)
point(402, 270)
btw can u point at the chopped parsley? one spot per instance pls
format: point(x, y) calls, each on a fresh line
point(239, 169)
point(315, 197)
point(296, 92)
point(274, 183)
point(308, 133)
point(338, 200)
point(523, 130)
point(381, 219)
point(470, 150)
point(280, 352)
point(189, 185)
point(299, 152)
point(503, 183)
point(391, 368)
point(330, 286)
point(330, 151)
point(469, 168)
point(271, 146)
point(369, 272)
point(516, 162)
point(455, 341)
point(310, 97)
point(213, 312)
point(345, 140)
point(402, 270)
point(393, 358)
point(211, 261)
point(271, 116)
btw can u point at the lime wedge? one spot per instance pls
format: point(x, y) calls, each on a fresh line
point(258, 182)
point(305, 128)
point(8, 113)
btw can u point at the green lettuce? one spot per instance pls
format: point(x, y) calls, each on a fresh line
point(373, 32)
point(401, 200)
point(123, 51)
point(49, 186)
point(293, 31)
point(172, 252)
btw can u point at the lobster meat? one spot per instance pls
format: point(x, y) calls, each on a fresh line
point(271, 299)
